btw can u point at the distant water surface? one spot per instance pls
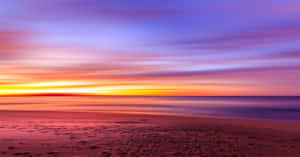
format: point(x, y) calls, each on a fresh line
point(267, 108)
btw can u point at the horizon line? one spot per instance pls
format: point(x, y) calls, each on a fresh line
point(95, 95)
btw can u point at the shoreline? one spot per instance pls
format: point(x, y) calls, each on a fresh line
point(94, 114)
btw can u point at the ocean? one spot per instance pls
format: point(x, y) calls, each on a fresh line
point(281, 108)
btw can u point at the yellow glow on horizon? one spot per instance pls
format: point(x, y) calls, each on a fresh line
point(98, 87)
point(70, 88)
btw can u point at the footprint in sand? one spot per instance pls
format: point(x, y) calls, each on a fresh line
point(106, 154)
point(52, 153)
point(23, 154)
point(94, 147)
point(3, 153)
point(11, 147)
point(83, 142)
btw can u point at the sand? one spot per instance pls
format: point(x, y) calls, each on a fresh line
point(66, 134)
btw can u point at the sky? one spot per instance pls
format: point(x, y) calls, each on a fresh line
point(138, 47)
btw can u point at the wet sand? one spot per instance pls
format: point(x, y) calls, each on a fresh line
point(66, 134)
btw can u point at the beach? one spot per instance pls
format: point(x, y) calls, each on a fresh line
point(89, 134)
point(149, 78)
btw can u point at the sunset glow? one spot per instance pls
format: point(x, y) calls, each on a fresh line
point(137, 48)
point(149, 78)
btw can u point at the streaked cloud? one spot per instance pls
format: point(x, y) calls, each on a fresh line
point(131, 47)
